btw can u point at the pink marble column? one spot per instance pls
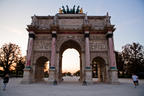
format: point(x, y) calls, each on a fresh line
point(29, 49)
point(111, 50)
point(87, 51)
point(53, 51)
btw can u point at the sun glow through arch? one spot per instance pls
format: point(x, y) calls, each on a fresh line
point(70, 60)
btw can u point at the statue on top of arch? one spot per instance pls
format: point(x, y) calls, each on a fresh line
point(73, 10)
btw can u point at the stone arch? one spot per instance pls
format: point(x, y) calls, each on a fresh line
point(99, 68)
point(69, 44)
point(103, 55)
point(37, 55)
point(61, 42)
point(39, 68)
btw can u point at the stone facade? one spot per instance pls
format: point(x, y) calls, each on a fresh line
point(91, 36)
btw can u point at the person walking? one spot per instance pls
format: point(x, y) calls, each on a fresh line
point(135, 80)
point(5, 81)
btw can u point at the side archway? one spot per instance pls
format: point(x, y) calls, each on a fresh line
point(41, 66)
point(99, 69)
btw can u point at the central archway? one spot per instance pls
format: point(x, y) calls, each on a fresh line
point(68, 45)
point(71, 65)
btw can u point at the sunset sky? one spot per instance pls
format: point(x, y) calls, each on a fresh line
point(127, 15)
point(70, 61)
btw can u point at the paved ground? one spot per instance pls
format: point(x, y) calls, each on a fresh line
point(69, 88)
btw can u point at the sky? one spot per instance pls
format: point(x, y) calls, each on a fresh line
point(70, 61)
point(126, 15)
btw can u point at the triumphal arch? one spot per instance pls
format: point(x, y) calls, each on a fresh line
point(91, 36)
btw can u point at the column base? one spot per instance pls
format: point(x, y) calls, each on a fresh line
point(84, 83)
point(52, 78)
point(113, 76)
point(88, 75)
point(27, 77)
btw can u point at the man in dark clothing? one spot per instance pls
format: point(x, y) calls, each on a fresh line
point(5, 81)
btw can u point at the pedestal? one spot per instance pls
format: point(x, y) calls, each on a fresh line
point(27, 77)
point(51, 75)
point(88, 75)
point(113, 76)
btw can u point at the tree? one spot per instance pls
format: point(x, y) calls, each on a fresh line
point(77, 73)
point(69, 74)
point(10, 54)
point(133, 56)
point(120, 64)
point(20, 66)
point(66, 74)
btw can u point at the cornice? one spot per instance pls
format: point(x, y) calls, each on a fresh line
point(110, 28)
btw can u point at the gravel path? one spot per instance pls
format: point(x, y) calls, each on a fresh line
point(69, 88)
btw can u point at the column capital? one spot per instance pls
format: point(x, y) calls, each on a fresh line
point(32, 35)
point(54, 35)
point(109, 34)
point(86, 35)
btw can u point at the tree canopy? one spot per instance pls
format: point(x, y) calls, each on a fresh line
point(131, 59)
point(133, 56)
point(10, 55)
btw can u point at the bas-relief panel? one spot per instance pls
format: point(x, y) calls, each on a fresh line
point(45, 23)
point(70, 23)
point(98, 45)
point(42, 45)
point(96, 23)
